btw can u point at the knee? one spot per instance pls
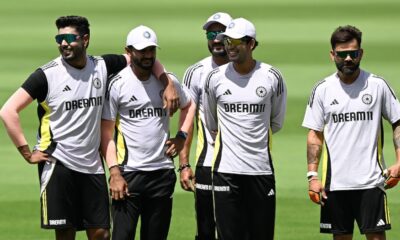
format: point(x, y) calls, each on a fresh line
point(99, 234)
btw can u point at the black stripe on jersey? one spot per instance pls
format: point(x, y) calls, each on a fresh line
point(94, 58)
point(49, 65)
point(278, 77)
point(269, 153)
point(311, 99)
point(328, 170)
point(390, 89)
point(202, 157)
point(218, 159)
point(110, 82)
point(381, 143)
point(210, 74)
point(187, 79)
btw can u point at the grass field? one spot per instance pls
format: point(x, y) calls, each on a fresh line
point(294, 37)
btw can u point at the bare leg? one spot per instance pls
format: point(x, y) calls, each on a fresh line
point(376, 236)
point(65, 234)
point(343, 237)
point(98, 234)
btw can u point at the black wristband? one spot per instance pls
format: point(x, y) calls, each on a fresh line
point(183, 166)
point(181, 134)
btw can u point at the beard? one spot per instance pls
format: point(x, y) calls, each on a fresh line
point(347, 69)
point(217, 50)
point(69, 53)
point(144, 63)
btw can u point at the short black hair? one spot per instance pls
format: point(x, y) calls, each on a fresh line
point(344, 34)
point(80, 23)
point(248, 39)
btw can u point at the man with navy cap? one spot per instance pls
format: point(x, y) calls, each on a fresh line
point(194, 80)
point(244, 104)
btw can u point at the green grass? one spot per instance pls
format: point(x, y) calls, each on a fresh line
point(294, 37)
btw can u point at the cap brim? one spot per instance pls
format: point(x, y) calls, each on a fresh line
point(140, 46)
point(230, 34)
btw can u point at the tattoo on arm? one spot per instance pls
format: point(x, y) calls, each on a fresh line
point(314, 153)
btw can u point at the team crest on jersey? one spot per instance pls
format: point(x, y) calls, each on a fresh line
point(97, 83)
point(261, 92)
point(367, 99)
point(146, 34)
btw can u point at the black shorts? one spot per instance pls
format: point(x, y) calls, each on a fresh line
point(244, 206)
point(150, 197)
point(71, 199)
point(367, 207)
point(204, 205)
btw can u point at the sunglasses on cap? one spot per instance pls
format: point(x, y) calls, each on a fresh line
point(68, 37)
point(352, 53)
point(233, 42)
point(211, 35)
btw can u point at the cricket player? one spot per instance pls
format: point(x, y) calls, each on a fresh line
point(244, 104)
point(344, 116)
point(194, 79)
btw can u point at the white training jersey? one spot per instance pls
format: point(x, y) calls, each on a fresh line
point(245, 109)
point(194, 79)
point(70, 102)
point(350, 116)
point(142, 124)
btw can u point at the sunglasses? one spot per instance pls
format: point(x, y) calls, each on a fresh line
point(233, 42)
point(69, 38)
point(212, 35)
point(343, 54)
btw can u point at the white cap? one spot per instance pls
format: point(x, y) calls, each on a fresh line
point(219, 17)
point(141, 37)
point(239, 28)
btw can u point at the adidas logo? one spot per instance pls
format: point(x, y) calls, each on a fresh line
point(334, 102)
point(271, 192)
point(381, 223)
point(133, 98)
point(67, 88)
point(227, 92)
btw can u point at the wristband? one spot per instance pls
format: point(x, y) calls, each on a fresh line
point(181, 134)
point(183, 166)
point(113, 166)
point(311, 174)
point(25, 152)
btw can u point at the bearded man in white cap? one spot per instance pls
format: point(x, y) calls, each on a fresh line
point(142, 177)
point(194, 80)
point(244, 104)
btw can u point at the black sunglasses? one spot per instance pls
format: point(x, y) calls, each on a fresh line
point(69, 38)
point(211, 35)
point(352, 53)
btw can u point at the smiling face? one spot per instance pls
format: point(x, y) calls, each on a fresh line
point(215, 46)
point(71, 45)
point(239, 50)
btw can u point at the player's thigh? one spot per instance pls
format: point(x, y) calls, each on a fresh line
point(157, 204)
point(58, 196)
point(373, 212)
point(229, 209)
point(94, 200)
point(260, 202)
point(337, 214)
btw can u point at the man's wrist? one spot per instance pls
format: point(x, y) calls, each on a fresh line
point(25, 152)
point(312, 175)
point(181, 134)
point(184, 166)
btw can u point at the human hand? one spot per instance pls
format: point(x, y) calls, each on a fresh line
point(175, 145)
point(316, 191)
point(37, 157)
point(118, 185)
point(187, 179)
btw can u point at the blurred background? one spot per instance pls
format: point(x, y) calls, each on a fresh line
point(293, 36)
